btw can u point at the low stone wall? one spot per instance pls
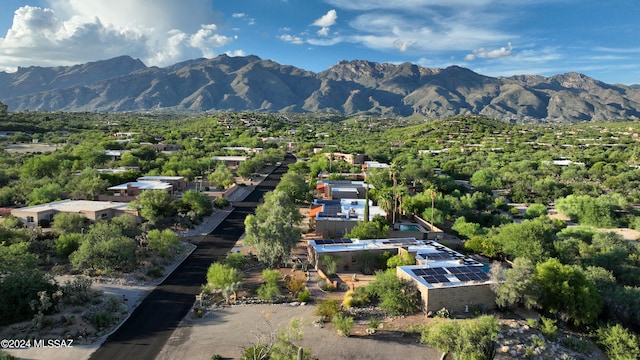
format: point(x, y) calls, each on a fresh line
point(324, 277)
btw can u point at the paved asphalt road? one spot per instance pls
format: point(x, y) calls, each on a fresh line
point(144, 334)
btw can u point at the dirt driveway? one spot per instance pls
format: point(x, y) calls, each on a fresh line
point(227, 331)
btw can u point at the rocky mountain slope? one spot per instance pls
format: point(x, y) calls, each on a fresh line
point(349, 87)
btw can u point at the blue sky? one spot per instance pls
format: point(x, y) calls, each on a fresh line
point(492, 37)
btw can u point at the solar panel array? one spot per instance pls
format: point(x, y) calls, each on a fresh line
point(429, 271)
point(463, 273)
point(334, 242)
point(435, 279)
point(469, 273)
point(439, 255)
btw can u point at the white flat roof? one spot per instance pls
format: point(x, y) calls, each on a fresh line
point(69, 205)
point(229, 158)
point(160, 178)
point(144, 185)
point(429, 255)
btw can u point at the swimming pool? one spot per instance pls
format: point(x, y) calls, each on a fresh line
point(408, 227)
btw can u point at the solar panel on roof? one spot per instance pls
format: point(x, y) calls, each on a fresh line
point(437, 271)
point(419, 272)
point(435, 279)
point(436, 256)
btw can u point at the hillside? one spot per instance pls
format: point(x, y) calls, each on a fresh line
point(349, 87)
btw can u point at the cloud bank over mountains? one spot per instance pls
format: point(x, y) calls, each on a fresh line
point(73, 31)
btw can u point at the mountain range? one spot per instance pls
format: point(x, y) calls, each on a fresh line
point(350, 87)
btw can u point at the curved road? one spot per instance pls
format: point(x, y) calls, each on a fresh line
point(151, 324)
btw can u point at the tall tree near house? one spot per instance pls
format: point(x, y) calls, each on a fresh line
point(154, 205)
point(273, 230)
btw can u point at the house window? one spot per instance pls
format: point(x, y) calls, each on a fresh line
point(30, 219)
point(104, 215)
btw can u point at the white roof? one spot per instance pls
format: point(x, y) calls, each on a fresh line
point(229, 158)
point(69, 205)
point(160, 178)
point(144, 185)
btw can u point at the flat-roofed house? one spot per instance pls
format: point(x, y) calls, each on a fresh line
point(178, 183)
point(443, 277)
point(93, 210)
point(336, 218)
point(134, 188)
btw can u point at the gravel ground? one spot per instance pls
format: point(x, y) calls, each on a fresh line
point(227, 331)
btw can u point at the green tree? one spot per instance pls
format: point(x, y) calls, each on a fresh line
point(128, 225)
point(68, 223)
point(535, 210)
point(154, 205)
point(222, 175)
point(221, 276)
point(564, 290)
point(531, 239)
point(66, 244)
point(88, 185)
point(295, 186)
point(195, 204)
point(396, 296)
point(45, 194)
point(273, 230)
point(165, 242)
point(269, 290)
point(369, 230)
point(19, 289)
point(514, 286)
point(402, 259)
point(467, 229)
point(464, 339)
point(105, 249)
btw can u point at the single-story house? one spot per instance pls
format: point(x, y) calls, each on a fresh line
point(443, 277)
point(178, 183)
point(134, 188)
point(92, 210)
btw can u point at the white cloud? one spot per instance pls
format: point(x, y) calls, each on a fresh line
point(490, 54)
point(74, 31)
point(325, 22)
point(291, 39)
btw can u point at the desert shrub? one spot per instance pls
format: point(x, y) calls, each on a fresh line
point(236, 260)
point(268, 291)
point(618, 342)
point(165, 242)
point(256, 352)
point(295, 285)
point(66, 244)
point(114, 304)
point(220, 203)
point(6, 356)
point(329, 264)
point(304, 296)
point(576, 344)
point(327, 308)
point(360, 297)
point(549, 328)
point(464, 339)
point(347, 302)
point(271, 276)
point(443, 313)
point(374, 323)
point(343, 324)
point(78, 291)
point(101, 319)
point(395, 296)
point(155, 272)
